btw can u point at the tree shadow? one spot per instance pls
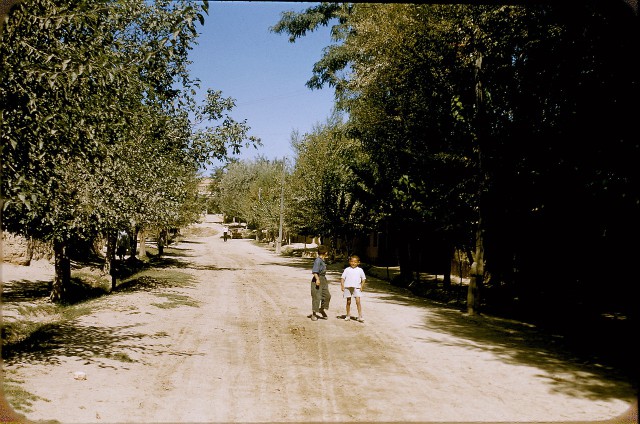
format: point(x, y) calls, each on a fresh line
point(576, 363)
point(25, 290)
point(568, 370)
point(101, 345)
point(79, 291)
point(185, 241)
point(168, 262)
point(150, 283)
point(292, 263)
point(211, 268)
point(176, 252)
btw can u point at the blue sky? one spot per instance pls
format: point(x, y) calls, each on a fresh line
point(262, 71)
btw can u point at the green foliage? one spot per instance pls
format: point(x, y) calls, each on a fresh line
point(210, 143)
point(251, 191)
point(96, 118)
point(468, 110)
point(326, 192)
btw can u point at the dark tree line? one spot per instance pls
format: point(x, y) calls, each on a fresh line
point(505, 131)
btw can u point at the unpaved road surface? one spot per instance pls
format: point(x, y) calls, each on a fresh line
point(233, 344)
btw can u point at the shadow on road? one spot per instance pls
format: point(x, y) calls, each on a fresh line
point(89, 343)
point(575, 362)
point(589, 368)
point(25, 290)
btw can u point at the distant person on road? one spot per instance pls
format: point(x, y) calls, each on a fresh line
point(320, 295)
point(225, 233)
point(122, 244)
point(352, 285)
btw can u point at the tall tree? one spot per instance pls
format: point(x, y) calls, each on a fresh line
point(325, 185)
point(459, 103)
point(96, 133)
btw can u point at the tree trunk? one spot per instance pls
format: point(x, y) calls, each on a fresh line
point(477, 274)
point(162, 240)
point(143, 243)
point(29, 255)
point(110, 258)
point(477, 267)
point(446, 278)
point(62, 275)
point(405, 260)
point(133, 242)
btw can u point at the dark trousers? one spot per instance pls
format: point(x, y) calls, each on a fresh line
point(320, 296)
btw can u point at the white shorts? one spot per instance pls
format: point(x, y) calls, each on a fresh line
point(352, 292)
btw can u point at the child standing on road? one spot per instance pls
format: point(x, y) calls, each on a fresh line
point(352, 285)
point(225, 233)
point(320, 295)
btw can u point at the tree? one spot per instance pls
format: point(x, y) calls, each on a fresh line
point(96, 134)
point(60, 92)
point(399, 101)
point(325, 187)
point(457, 104)
point(250, 191)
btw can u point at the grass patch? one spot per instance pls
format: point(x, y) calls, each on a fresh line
point(155, 279)
point(122, 357)
point(194, 231)
point(87, 285)
point(95, 279)
point(175, 301)
point(30, 310)
point(35, 317)
point(17, 397)
point(16, 332)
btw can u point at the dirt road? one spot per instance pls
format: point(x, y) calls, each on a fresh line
point(232, 343)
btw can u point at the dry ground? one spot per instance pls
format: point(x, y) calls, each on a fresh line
point(231, 343)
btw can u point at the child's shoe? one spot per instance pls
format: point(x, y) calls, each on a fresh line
point(347, 318)
point(360, 319)
point(314, 317)
point(323, 313)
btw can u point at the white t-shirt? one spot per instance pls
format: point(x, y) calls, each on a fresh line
point(353, 277)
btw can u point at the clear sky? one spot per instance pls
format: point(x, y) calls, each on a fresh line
point(262, 71)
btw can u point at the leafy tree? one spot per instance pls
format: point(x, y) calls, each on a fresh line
point(325, 197)
point(459, 104)
point(95, 121)
point(233, 187)
point(213, 202)
point(399, 101)
point(251, 191)
point(266, 192)
point(60, 91)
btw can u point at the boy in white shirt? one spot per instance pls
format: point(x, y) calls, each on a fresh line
point(352, 285)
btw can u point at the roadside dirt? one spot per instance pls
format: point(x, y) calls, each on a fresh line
point(233, 344)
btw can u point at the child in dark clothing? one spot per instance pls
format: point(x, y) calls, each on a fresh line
point(320, 295)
